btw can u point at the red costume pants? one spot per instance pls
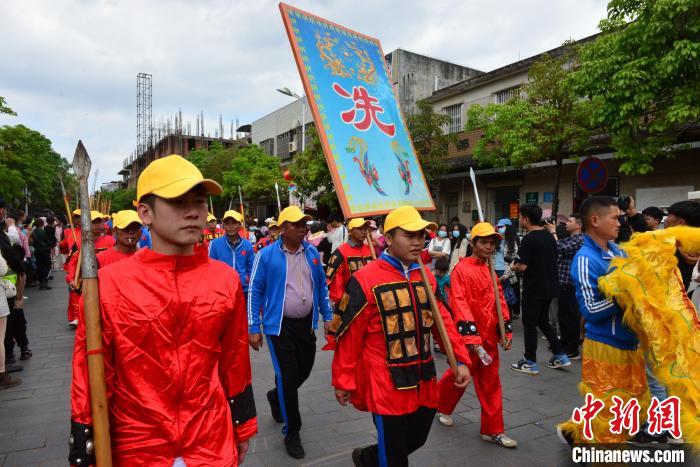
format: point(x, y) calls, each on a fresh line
point(73, 306)
point(487, 385)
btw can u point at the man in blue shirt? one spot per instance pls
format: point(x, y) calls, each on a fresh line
point(612, 364)
point(287, 293)
point(233, 250)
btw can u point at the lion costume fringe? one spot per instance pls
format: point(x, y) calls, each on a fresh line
point(647, 286)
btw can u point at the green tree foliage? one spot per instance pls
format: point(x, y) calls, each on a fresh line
point(430, 141)
point(28, 160)
point(255, 172)
point(547, 122)
point(120, 199)
point(4, 108)
point(310, 172)
point(643, 76)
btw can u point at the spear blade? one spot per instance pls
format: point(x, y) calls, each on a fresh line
point(81, 167)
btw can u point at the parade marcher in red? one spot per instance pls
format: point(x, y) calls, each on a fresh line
point(102, 242)
point(382, 362)
point(176, 355)
point(273, 234)
point(212, 231)
point(347, 259)
point(473, 303)
point(127, 228)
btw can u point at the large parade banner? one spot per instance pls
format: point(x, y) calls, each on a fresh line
point(364, 136)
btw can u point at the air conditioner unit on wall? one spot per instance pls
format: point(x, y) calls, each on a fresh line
point(293, 146)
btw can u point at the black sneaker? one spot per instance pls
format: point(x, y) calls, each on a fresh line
point(574, 356)
point(645, 439)
point(293, 444)
point(274, 406)
point(13, 367)
point(357, 457)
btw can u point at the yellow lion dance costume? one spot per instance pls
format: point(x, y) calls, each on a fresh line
point(647, 286)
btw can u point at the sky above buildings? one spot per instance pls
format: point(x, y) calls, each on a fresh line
point(69, 67)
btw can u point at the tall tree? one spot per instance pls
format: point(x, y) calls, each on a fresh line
point(310, 174)
point(4, 108)
point(431, 142)
point(643, 76)
point(546, 122)
point(255, 172)
point(27, 161)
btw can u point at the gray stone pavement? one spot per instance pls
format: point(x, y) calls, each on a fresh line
point(35, 416)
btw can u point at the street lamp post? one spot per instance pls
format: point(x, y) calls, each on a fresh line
point(290, 93)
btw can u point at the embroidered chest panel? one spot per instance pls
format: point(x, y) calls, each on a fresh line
point(407, 319)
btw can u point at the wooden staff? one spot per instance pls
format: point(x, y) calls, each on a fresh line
point(437, 316)
point(279, 203)
point(93, 321)
point(240, 200)
point(68, 213)
point(371, 246)
point(494, 279)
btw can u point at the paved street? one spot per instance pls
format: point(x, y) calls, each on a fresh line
point(35, 415)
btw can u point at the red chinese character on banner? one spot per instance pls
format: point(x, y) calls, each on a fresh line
point(367, 104)
point(665, 415)
point(624, 416)
point(587, 413)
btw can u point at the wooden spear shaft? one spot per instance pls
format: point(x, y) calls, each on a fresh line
point(93, 320)
point(437, 317)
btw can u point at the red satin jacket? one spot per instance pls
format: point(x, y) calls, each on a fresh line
point(382, 328)
point(345, 261)
point(473, 302)
point(176, 361)
point(101, 244)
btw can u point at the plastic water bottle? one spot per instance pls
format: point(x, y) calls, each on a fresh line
point(483, 355)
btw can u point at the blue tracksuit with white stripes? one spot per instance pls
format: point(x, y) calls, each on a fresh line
point(603, 316)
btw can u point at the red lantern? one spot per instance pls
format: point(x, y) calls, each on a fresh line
point(287, 175)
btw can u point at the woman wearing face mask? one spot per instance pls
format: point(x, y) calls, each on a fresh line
point(504, 256)
point(439, 247)
point(460, 244)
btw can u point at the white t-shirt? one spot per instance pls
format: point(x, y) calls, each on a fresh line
point(337, 237)
point(439, 245)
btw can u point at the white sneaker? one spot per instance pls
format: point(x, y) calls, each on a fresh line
point(445, 419)
point(73, 324)
point(501, 439)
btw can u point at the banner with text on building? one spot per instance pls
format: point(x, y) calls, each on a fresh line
point(364, 136)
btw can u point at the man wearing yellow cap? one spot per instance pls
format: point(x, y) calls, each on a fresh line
point(233, 250)
point(474, 305)
point(273, 232)
point(127, 228)
point(348, 258)
point(287, 293)
point(382, 362)
point(175, 337)
point(212, 231)
point(102, 242)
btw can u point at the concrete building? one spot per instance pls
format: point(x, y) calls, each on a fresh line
point(172, 143)
point(415, 77)
point(502, 188)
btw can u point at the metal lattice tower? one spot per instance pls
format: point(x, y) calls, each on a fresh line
point(144, 118)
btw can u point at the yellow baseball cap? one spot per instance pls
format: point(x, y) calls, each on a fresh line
point(125, 218)
point(407, 218)
point(357, 223)
point(211, 217)
point(235, 215)
point(76, 212)
point(292, 214)
point(94, 215)
point(172, 176)
point(484, 229)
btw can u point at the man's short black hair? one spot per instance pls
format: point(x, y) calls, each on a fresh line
point(653, 211)
point(335, 217)
point(689, 211)
point(149, 200)
point(442, 264)
point(532, 212)
point(592, 206)
point(2, 203)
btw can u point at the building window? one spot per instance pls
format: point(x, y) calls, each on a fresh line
point(268, 146)
point(283, 145)
point(505, 95)
point(463, 144)
point(455, 114)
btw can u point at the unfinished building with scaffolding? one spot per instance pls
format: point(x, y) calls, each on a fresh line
point(171, 135)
